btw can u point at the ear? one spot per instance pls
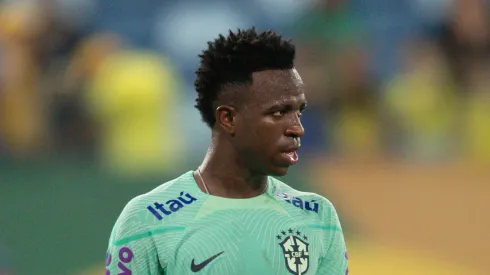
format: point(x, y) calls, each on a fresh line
point(226, 117)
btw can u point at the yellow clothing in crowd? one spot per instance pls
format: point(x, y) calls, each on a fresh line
point(133, 97)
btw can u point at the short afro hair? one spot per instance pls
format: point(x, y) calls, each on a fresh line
point(233, 59)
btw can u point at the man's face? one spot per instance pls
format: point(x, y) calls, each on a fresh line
point(268, 127)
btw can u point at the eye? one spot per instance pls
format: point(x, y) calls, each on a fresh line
point(279, 113)
point(301, 110)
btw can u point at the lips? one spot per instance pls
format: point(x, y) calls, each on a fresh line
point(290, 155)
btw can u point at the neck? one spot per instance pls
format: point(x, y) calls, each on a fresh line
point(226, 176)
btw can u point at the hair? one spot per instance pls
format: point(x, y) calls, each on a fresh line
point(233, 59)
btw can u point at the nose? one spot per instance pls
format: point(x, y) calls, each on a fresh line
point(295, 129)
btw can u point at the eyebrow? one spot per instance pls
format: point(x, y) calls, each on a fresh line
point(287, 105)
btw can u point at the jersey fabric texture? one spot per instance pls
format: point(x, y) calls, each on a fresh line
point(177, 229)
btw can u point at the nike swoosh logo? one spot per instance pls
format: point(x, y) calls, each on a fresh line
point(198, 267)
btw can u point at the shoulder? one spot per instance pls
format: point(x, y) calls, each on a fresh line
point(166, 191)
point(139, 213)
point(305, 200)
point(283, 190)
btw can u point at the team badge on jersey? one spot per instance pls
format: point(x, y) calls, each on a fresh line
point(295, 249)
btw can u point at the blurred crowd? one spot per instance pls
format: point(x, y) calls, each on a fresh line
point(113, 80)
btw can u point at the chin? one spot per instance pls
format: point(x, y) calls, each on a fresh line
point(279, 171)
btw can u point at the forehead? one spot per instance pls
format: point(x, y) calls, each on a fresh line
point(277, 85)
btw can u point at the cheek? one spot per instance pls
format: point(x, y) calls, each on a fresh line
point(268, 137)
point(259, 137)
point(256, 139)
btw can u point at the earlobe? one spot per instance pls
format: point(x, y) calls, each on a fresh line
point(225, 116)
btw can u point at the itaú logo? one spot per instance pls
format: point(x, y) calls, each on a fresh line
point(170, 206)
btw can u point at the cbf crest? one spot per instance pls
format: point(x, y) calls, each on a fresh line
point(295, 249)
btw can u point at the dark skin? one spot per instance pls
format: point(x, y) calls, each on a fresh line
point(255, 125)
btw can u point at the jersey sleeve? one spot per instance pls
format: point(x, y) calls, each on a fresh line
point(335, 259)
point(131, 248)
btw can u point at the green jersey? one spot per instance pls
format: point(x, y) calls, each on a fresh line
point(177, 229)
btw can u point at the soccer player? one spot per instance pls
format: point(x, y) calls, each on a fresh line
point(230, 215)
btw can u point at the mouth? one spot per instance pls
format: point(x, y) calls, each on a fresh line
point(290, 156)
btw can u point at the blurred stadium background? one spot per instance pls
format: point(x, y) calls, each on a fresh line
point(96, 106)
